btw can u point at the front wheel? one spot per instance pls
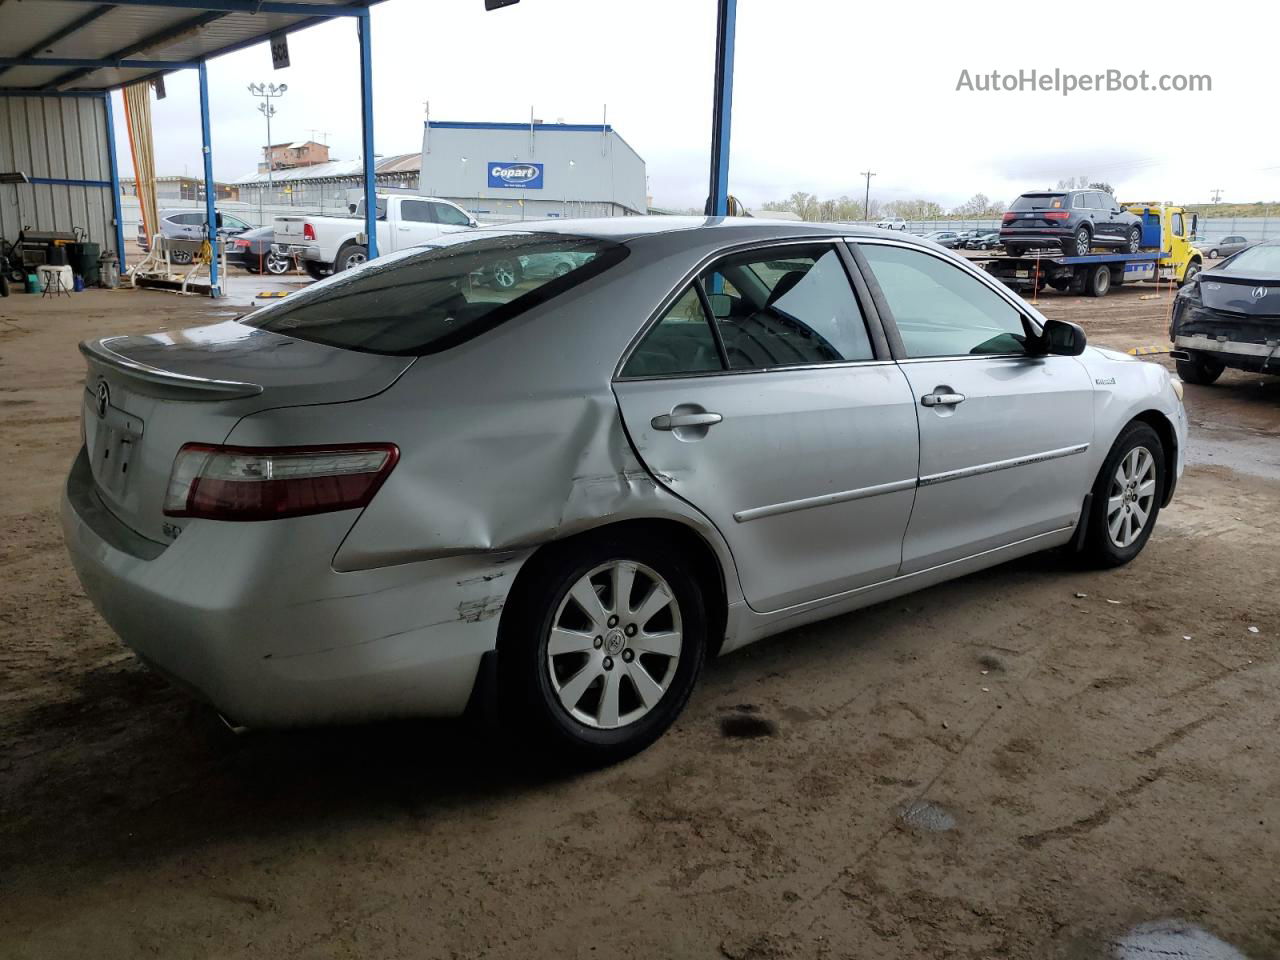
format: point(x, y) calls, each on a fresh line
point(601, 645)
point(1213, 254)
point(1135, 239)
point(1193, 268)
point(1126, 497)
point(1200, 370)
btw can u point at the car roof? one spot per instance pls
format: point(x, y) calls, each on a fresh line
point(719, 229)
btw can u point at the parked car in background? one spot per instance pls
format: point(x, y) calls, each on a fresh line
point(398, 492)
point(325, 245)
point(252, 251)
point(1229, 316)
point(1074, 220)
point(506, 272)
point(946, 238)
point(983, 241)
point(892, 223)
point(1215, 247)
point(190, 224)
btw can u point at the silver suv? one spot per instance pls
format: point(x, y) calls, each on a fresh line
point(187, 224)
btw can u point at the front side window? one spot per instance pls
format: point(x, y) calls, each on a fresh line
point(450, 215)
point(788, 306)
point(431, 298)
point(1177, 225)
point(940, 310)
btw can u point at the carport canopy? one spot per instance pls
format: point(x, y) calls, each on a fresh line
point(64, 48)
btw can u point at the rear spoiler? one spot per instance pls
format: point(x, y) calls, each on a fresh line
point(166, 383)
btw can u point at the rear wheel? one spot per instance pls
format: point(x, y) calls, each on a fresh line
point(1200, 370)
point(1126, 497)
point(1080, 244)
point(314, 270)
point(277, 264)
point(1014, 250)
point(602, 642)
point(505, 274)
point(350, 256)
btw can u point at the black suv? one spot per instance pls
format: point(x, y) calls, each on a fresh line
point(1076, 220)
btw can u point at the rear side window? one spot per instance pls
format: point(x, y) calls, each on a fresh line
point(430, 299)
point(1039, 201)
point(680, 344)
point(415, 211)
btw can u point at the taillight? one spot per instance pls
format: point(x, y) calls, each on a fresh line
point(308, 232)
point(1055, 214)
point(242, 244)
point(259, 483)
point(1008, 216)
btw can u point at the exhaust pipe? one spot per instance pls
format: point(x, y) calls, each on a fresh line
point(1180, 355)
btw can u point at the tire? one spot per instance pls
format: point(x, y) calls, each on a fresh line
point(561, 269)
point(1123, 512)
point(1014, 250)
point(1062, 286)
point(350, 256)
point(316, 271)
point(1135, 240)
point(1193, 268)
point(1213, 254)
point(1080, 244)
point(1200, 370)
point(4, 285)
point(561, 701)
point(505, 274)
point(1099, 281)
point(250, 266)
point(180, 257)
point(277, 266)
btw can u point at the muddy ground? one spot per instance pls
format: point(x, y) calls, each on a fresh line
point(1030, 762)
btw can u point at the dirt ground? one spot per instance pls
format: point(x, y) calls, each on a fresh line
point(1030, 762)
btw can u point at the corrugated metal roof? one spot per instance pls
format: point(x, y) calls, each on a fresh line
point(337, 169)
point(128, 31)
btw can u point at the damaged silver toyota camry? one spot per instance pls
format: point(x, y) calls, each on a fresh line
point(419, 485)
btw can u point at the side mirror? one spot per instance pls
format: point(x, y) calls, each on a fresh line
point(1063, 338)
point(474, 222)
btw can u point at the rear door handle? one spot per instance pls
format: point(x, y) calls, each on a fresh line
point(674, 421)
point(942, 399)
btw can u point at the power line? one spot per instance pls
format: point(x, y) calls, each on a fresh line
point(866, 200)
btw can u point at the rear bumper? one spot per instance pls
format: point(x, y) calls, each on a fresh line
point(1242, 355)
point(301, 251)
point(252, 617)
point(1055, 234)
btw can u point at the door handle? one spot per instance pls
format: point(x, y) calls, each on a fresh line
point(674, 421)
point(942, 399)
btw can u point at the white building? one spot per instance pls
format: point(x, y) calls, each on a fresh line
point(517, 171)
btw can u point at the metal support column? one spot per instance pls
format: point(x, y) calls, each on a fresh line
point(366, 118)
point(722, 108)
point(210, 190)
point(113, 162)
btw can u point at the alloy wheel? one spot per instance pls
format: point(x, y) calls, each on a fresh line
point(1132, 495)
point(1083, 243)
point(614, 644)
point(504, 274)
point(277, 264)
point(354, 260)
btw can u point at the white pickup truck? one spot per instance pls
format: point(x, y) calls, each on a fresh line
point(324, 245)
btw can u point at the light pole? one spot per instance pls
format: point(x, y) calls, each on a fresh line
point(462, 185)
point(564, 209)
point(866, 199)
point(267, 92)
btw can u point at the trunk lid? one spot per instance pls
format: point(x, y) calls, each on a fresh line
point(146, 396)
point(1245, 296)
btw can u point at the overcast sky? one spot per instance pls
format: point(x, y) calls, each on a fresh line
point(823, 89)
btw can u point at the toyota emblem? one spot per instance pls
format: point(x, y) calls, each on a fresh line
point(1258, 293)
point(104, 398)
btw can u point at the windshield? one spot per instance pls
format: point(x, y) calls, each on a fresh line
point(432, 298)
point(1039, 201)
point(1260, 259)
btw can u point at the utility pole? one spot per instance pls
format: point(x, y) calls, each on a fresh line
point(866, 200)
point(1217, 194)
point(267, 92)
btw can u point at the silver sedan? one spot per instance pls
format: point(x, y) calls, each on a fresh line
point(405, 491)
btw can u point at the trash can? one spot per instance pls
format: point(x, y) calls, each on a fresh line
point(83, 258)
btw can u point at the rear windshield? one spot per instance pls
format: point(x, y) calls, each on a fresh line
point(1039, 201)
point(1255, 260)
point(432, 298)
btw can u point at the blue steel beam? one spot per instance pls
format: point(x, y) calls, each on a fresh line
point(116, 212)
point(72, 27)
point(252, 6)
point(722, 108)
point(210, 191)
point(159, 38)
point(6, 62)
point(366, 119)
